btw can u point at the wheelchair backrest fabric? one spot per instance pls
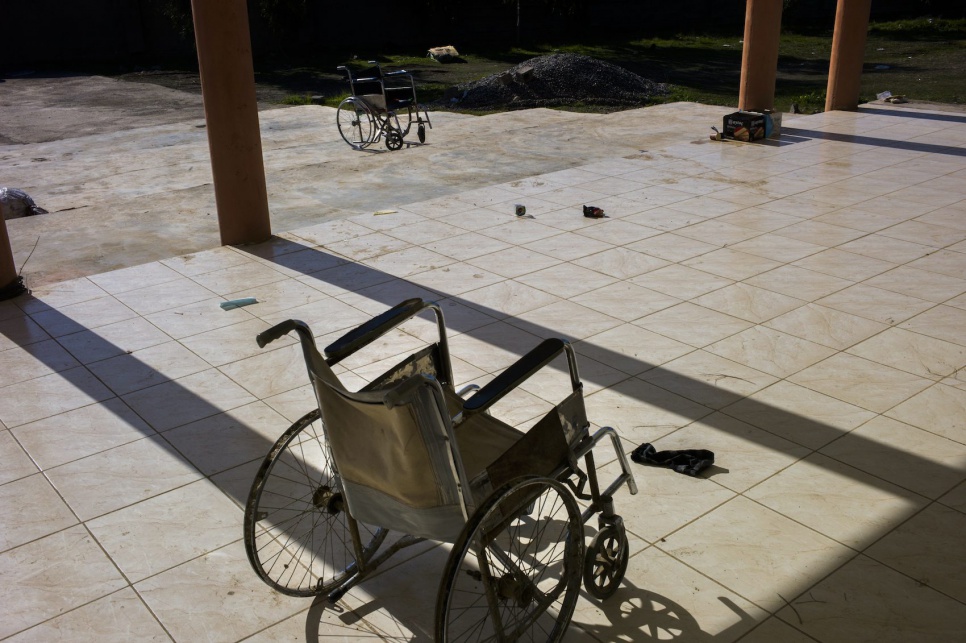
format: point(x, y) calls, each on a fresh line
point(394, 460)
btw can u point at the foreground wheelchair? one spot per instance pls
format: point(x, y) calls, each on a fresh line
point(382, 106)
point(408, 453)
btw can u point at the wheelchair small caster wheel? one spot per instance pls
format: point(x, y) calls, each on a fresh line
point(421, 133)
point(605, 562)
point(394, 140)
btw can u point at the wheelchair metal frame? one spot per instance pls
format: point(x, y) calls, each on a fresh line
point(486, 520)
point(379, 108)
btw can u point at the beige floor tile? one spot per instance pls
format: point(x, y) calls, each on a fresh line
point(117, 616)
point(942, 322)
point(732, 264)
point(424, 232)
point(569, 246)
point(14, 461)
point(913, 353)
point(920, 283)
point(410, 261)
point(826, 326)
point(672, 247)
point(837, 500)
point(552, 383)
point(466, 246)
point(799, 414)
point(775, 630)
point(945, 262)
point(675, 602)
point(956, 498)
point(479, 219)
point(564, 319)
point(846, 265)
point(388, 221)
point(515, 262)
point(631, 349)
point(60, 295)
point(777, 248)
point(926, 549)
point(681, 281)
point(239, 277)
point(642, 412)
point(34, 360)
point(756, 552)
point(229, 439)
point(206, 261)
point(902, 454)
point(93, 428)
point(69, 560)
point(693, 324)
point(736, 445)
point(666, 219)
point(928, 234)
point(940, 409)
point(85, 315)
point(749, 302)
point(148, 367)
point(113, 340)
point(32, 510)
point(197, 318)
point(507, 298)
point(493, 347)
point(20, 330)
point(800, 283)
point(760, 219)
point(770, 351)
point(135, 277)
point(215, 598)
point(879, 305)
point(718, 233)
point(170, 294)
point(50, 395)
point(167, 530)
point(366, 246)
point(621, 263)
point(619, 232)
point(349, 277)
point(861, 382)
point(456, 278)
point(566, 280)
point(818, 233)
point(886, 248)
point(332, 624)
point(519, 232)
point(190, 398)
point(332, 231)
point(271, 373)
point(867, 601)
point(625, 301)
point(708, 379)
point(122, 476)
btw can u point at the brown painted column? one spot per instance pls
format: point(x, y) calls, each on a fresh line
point(10, 283)
point(228, 88)
point(848, 52)
point(759, 56)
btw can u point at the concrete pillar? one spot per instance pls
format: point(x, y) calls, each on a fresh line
point(11, 284)
point(759, 56)
point(228, 88)
point(848, 52)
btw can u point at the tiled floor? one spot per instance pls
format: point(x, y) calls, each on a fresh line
point(799, 309)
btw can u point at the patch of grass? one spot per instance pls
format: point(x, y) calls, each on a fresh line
point(297, 99)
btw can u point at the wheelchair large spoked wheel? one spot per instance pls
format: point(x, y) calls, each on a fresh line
point(514, 574)
point(356, 123)
point(298, 535)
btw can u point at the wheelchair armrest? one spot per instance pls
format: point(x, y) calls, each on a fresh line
point(373, 329)
point(519, 372)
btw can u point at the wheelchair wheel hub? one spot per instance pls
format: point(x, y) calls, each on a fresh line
point(511, 588)
point(328, 499)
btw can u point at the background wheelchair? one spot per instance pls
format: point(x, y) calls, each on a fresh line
point(408, 453)
point(382, 106)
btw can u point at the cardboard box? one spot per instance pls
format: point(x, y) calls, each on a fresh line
point(744, 126)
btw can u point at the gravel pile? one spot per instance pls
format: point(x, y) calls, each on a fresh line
point(554, 80)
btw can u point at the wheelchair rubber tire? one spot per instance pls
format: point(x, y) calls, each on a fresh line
point(297, 531)
point(491, 593)
point(394, 140)
point(606, 562)
point(421, 133)
point(356, 124)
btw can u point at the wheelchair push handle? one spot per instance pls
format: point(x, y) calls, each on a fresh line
point(283, 328)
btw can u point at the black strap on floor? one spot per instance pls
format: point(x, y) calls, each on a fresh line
point(690, 462)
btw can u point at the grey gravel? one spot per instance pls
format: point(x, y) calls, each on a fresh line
point(555, 80)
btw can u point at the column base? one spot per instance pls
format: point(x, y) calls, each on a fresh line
point(14, 289)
